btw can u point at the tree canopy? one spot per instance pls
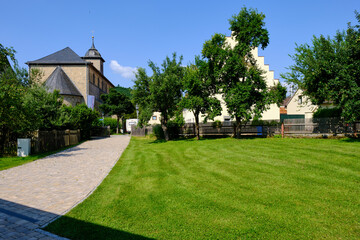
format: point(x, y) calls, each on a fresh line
point(116, 103)
point(328, 69)
point(161, 92)
point(241, 82)
point(200, 90)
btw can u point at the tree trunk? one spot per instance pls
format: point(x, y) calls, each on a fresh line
point(123, 123)
point(196, 114)
point(117, 124)
point(164, 127)
point(237, 128)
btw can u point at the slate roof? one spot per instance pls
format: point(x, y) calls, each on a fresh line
point(64, 56)
point(60, 81)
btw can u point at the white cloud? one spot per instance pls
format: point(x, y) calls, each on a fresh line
point(125, 72)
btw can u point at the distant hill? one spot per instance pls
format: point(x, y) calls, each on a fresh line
point(126, 91)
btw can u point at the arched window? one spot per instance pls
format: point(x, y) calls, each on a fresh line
point(93, 78)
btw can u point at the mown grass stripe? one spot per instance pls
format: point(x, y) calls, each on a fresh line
point(225, 189)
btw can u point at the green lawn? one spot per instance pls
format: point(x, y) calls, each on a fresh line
point(9, 162)
point(225, 189)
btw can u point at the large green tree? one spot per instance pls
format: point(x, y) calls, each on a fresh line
point(200, 90)
point(116, 103)
point(328, 69)
point(241, 81)
point(162, 91)
point(25, 105)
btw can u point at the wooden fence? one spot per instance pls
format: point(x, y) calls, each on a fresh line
point(226, 129)
point(208, 129)
point(44, 141)
point(333, 126)
point(141, 132)
point(292, 127)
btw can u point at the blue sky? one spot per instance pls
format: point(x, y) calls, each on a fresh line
point(129, 33)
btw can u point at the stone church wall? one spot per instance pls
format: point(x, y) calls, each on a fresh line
point(72, 100)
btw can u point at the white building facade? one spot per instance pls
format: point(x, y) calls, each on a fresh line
point(273, 113)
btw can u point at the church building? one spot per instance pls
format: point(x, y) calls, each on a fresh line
point(78, 79)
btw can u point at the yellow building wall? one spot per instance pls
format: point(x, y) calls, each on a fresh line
point(77, 74)
point(96, 63)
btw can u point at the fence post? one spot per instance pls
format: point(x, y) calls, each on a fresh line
point(282, 130)
point(354, 130)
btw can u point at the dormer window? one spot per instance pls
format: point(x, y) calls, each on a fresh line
point(300, 99)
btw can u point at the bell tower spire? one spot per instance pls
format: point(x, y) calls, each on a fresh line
point(93, 46)
point(93, 55)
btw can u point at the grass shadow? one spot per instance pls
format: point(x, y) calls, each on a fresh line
point(77, 229)
point(351, 140)
point(17, 217)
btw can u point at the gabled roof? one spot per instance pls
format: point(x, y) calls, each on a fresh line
point(60, 81)
point(286, 101)
point(64, 56)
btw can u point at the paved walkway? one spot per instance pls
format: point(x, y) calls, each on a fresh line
point(36, 193)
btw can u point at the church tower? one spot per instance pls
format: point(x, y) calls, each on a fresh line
point(92, 55)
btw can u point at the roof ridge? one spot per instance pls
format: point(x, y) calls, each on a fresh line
point(65, 55)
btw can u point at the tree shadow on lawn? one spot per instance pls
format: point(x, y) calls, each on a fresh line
point(77, 229)
point(351, 140)
point(17, 217)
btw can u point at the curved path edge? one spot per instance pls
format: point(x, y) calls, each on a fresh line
point(37, 193)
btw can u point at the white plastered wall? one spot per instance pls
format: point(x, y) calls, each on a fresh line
point(273, 113)
point(303, 107)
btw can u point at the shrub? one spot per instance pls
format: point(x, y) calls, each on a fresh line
point(327, 112)
point(257, 122)
point(108, 121)
point(83, 118)
point(174, 129)
point(217, 124)
point(158, 132)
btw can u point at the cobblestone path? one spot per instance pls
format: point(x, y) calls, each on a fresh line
point(36, 193)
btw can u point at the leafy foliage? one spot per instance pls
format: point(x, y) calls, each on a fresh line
point(108, 121)
point(327, 112)
point(240, 80)
point(27, 106)
point(123, 90)
point(200, 91)
point(329, 70)
point(80, 117)
point(42, 109)
point(158, 132)
point(116, 103)
point(161, 92)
